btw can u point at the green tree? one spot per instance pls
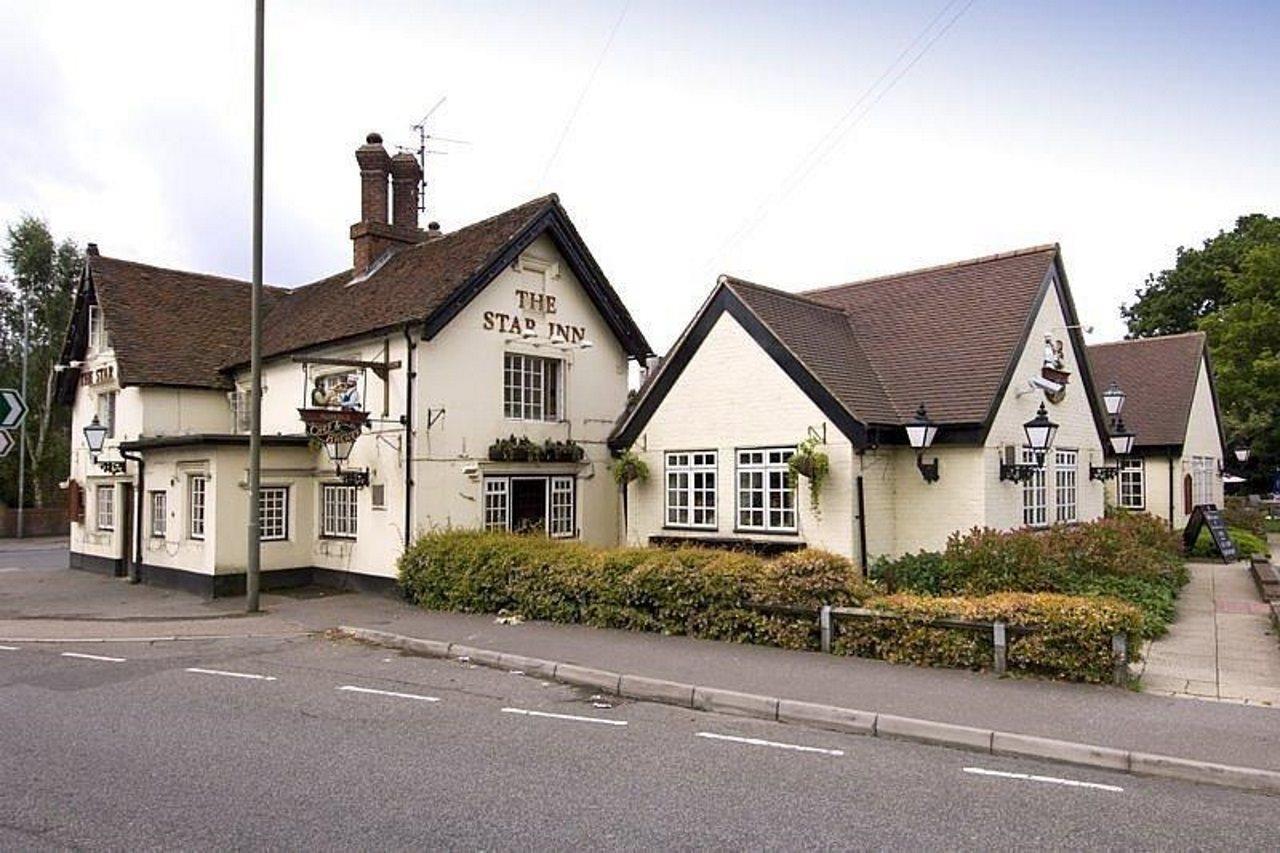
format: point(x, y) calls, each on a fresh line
point(1230, 289)
point(42, 274)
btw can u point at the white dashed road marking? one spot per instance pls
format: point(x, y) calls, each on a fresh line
point(251, 675)
point(83, 656)
point(1052, 780)
point(755, 741)
point(572, 717)
point(8, 648)
point(353, 689)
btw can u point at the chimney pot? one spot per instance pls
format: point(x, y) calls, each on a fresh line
point(91, 249)
point(433, 231)
point(374, 138)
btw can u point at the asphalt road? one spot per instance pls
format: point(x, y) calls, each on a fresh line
point(144, 753)
point(15, 560)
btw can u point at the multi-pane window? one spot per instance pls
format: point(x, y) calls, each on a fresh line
point(496, 503)
point(1132, 486)
point(159, 511)
point(766, 498)
point(1202, 476)
point(106, 507)
point(1035, 498)
point(107, 412)
point(1064, 485)
point(561, 522)
point(273, 513)
point(531, 387)
point(338, 511)
point(97, 336)
point(197, 492)
point(691, 489)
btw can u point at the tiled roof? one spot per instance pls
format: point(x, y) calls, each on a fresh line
point(170, 327)
point(1158, 377)
point(942, 336)
point(180, 328)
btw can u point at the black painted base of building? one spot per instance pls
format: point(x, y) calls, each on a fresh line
point(233, 584)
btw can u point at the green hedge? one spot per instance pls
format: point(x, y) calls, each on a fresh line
point(727, 595)
point(1130, 556)
point(1072, 637)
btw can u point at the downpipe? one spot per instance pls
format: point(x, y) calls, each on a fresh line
point(131, 566)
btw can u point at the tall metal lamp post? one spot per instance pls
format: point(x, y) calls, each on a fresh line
point(253, 564)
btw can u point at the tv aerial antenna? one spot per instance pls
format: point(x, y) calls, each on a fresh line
point(423, 137)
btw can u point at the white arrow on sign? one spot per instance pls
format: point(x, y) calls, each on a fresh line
point(12, 409)
point(6, 443)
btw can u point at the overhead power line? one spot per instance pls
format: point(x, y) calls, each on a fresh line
point(852, 117)
point(582, 96)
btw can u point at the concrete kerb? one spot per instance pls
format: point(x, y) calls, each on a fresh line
point(846, 720)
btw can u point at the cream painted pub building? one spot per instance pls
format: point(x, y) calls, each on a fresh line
point(484, 369)
point(1172, 407)
point(985, 348)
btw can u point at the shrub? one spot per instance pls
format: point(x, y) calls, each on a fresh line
point(1247, 544)
point(742, 597)
point(924, 572)
point(1237, 513)
point(1071, 637)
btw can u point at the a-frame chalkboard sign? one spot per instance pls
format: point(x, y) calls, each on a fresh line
point(1210, 515)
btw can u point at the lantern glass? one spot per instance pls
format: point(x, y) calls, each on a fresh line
point(1040, 431)
point(922, 431)
point(339, 450)
point(1113, 398)
point(1242, 454)
point(95, 435)
point(1122, 443)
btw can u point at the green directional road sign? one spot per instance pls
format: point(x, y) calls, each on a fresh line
point(6, 443)
point(12, 409)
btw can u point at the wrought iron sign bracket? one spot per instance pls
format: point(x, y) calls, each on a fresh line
point(381, 369)
point(1018, 472)
point(358, 477)
point(434, 415)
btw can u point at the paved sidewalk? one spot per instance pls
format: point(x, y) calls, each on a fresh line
point(1222, 645)
point(34, 543)
point(69, 604)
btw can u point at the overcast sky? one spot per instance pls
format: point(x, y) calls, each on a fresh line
point(795, 144)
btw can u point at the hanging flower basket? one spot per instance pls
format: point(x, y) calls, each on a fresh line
point(628, 468)
point(812, 464)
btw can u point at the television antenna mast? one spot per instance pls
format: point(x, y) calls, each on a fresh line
point(421, 129)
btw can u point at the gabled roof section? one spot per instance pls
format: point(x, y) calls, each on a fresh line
point(948, 336)
point(431, 281)
point(168, 327)
point(1158, 377)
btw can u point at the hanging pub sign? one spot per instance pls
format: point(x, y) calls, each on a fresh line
point(522, 322)
point(1210, 516)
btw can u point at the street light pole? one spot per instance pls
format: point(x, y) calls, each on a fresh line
point(22, 429)
point(253, 564)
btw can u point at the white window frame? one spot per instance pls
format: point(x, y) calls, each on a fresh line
point(104, 503)
point(197, 505)
point(532, 387)
point(1035, 492)
point(763, 472)
point(273, 513)
point(561, 508)
point(691, 486)
point(158, 506)
point(95, 329)
point(339, 511)
point(1131, 480)
point(1203, 469)
point(1066, 480)
point(497, 503)
point(106, 404)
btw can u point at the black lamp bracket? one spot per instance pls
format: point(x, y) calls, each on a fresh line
point(358, 477)
point(1103, 472)
point(928, 470)
point(1022, 472)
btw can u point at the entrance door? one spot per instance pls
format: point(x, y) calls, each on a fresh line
point(529, 505)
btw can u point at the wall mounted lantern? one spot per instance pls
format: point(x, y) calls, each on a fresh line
point(921, 433)
point(1113, 398)
point(95, 435)
point(1242, 452)
point(1040, 434)
point(338, 447)
point(1121, 446)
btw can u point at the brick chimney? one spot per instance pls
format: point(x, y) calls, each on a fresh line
point(373, 235)
point(406, 176)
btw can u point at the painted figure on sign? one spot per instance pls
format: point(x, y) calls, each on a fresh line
point(350, 398)
point(319, 396)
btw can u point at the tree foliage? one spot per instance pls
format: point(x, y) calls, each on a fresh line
point(1230, 289)
point(42, 274)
